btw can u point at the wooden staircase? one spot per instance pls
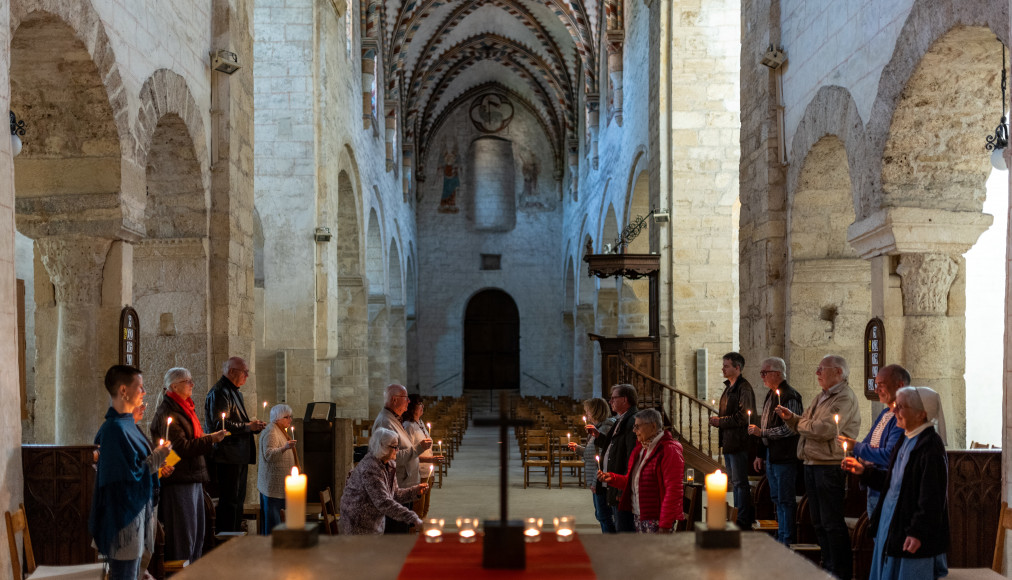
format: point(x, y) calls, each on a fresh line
point(688, 417)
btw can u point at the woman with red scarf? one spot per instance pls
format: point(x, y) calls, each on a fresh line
point(181, 505)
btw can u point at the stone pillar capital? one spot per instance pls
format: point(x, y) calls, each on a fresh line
point(75, 264)
point(902, 230)
point(926, 282)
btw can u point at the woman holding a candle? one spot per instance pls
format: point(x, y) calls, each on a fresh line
point(911, 522)
point(181, 503)
point(277, 457)
point(599, 413)
point(652, 490)
point(412, 421)
point(371, 493)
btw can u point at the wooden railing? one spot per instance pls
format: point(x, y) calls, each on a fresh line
point(689, 416)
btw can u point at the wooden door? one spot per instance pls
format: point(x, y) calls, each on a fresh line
point(491, 342)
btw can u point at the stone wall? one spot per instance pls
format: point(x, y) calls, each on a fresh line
point(450, 248)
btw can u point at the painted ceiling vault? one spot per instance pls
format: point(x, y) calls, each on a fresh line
point(435, 56)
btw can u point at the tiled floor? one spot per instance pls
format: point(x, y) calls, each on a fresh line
point(472, 487)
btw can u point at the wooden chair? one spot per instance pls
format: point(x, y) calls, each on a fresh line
point(862, 545)
point(1004, 523)
point(18, 522)
point(328, 514)
point(539, 456)
point(574, 464)
point(691, 507)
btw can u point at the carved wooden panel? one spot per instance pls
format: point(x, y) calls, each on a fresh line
point(974, 502)
point(58, 486)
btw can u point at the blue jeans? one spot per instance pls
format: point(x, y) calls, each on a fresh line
point(124, 569)
point(624, 522)
point(737, 470)
point(270, 509)
point(825, 487)
point(782, 477)
point(604, 513)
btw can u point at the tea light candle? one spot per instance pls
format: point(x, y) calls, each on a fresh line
point(532, 529)
point(716, 498)
point(467, 529)
point(564, 528)
point(432, 529)
point(295, 500)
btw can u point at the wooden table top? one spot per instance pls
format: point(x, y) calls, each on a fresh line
point(612, 556)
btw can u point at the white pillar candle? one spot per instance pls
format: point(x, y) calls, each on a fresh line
point(295, 500)
point(836, 419)
point(716, 498)
point(167, 423)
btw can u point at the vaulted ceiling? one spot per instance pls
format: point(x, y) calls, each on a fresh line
point(438, 54)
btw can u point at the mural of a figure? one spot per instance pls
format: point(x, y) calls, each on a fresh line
point(530, 195)
point(451, 182)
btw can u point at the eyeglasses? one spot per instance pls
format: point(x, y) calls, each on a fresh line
point(286, 416)
point(394, 447)
point(184, 381)
point(764, 373)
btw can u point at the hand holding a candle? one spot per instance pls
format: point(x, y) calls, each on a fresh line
point(844, 440)
point(853, 465)
point(784, 412)
point(755, 430)
point(217, 436)
point(605, 477)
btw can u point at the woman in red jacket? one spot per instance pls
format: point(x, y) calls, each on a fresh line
point(653, 486)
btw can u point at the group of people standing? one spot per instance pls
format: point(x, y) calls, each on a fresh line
point(135, 486)
point(901, 461)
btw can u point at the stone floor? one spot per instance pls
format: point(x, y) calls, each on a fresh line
point(472, 487)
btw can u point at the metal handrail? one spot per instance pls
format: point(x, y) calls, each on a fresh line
point(689, 416)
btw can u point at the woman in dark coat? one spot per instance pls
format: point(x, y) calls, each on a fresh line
point(181, 503)
point(911, 521)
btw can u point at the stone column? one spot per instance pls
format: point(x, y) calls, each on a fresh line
point(930, 352)
point(398, 346)
point(379, 352)
point(583, 352)
point(87, 341)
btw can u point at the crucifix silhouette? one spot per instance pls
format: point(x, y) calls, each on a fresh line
point(504, 545)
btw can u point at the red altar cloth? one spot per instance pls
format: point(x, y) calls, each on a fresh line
point(549, 559)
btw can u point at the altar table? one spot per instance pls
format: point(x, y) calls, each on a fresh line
point(639, 556)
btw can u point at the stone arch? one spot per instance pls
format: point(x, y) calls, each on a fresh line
point(634, 295)
point(170, 266)
point(349, 377)
point(379, 315)
point(397, 320)
point(65, 85)
point(831, 112)
point(166, 93)
point(374, 256)
point(828, 297)
point(585, 353)
point(26, 16)
point(927, 33)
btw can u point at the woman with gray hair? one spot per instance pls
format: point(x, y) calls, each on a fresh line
point(275, 464)
point(372, 494)
point(911, 521)
point(181, 503)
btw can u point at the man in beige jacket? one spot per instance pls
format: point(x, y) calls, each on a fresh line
point(833, 412)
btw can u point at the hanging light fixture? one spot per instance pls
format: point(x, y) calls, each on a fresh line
point(997, 143)
point(17, 128)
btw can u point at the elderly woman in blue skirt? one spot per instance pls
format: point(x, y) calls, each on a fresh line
point(911, 522)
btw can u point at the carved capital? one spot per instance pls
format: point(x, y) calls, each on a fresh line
point(75, 264)
point(926, 282)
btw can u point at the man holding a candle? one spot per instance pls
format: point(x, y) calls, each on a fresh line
point(877, 446)
point(779, 446)
point(395, 403)
point(224, 409)
point(616, 447)
point(825, 482)
point(737, 403)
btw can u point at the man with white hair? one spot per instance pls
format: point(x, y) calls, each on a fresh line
point(395, 403)
point(833, 412)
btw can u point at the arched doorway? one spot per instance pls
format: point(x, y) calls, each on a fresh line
point(491, 342)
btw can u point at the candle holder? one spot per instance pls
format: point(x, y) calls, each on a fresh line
point(284, 537)
point(532, 530)
point(467, 529)
point(690, 474)
point(565, 528)
point(432, 529)
point(729, 537)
